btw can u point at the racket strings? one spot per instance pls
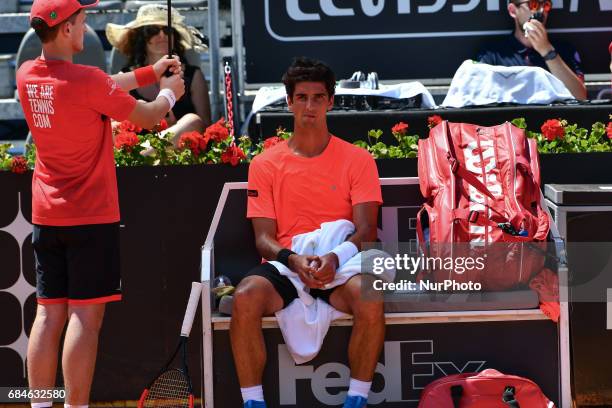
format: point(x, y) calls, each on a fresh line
point(170, 390)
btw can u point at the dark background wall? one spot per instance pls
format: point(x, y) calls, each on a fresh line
point(405, 39)
point(166, 213)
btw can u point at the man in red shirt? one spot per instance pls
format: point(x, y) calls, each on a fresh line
point(75, 209)
point(293, 188)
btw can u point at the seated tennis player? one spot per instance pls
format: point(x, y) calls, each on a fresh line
point(312, 178)
point(75, 208)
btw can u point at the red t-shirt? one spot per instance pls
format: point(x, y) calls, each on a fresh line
point(301, 193)
point(68, 108)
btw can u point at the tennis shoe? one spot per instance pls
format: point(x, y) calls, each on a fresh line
point(255, 404)
point(355, 401)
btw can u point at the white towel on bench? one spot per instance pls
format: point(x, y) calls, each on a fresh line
point(305, 322)
point(482, 84)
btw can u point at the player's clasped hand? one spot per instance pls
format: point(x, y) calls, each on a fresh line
point(326, 270)
point(174, 83)
point(305, 267)
point(165, 63)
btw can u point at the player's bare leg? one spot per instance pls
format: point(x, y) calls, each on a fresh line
point(80, 349)
point(43, 346)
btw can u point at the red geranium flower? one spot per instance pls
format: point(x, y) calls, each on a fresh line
point(217, 131)
point(233, 154)
point(553, 129)
point(203, 139)
point(126, 140)
point(19, 165)
point(163, 125)
point(609, 130)
point(127, 126)
point(193, 142)
point(400, 128)
point(433, 121)
point(271, 141)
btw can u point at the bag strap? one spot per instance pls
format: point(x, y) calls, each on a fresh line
point(509, 397)
point(420, 234)
point(456, 394)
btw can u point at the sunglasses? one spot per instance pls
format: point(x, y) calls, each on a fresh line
point(535, 5)
point(152, 30)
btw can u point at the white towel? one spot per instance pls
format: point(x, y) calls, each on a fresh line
point(476, 83)
point(305, 322)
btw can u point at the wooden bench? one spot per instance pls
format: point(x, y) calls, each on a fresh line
point(512, 325)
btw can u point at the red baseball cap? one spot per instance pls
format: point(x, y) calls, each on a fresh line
point(54, 12)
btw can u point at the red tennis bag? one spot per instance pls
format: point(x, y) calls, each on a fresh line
point(482, 187)
point(487, 389)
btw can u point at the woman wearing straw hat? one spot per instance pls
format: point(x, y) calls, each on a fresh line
point(144, 41)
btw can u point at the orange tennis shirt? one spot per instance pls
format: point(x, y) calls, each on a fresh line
point(68, 109)
point(300, 193)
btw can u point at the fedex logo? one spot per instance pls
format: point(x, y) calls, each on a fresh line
point(414, 357)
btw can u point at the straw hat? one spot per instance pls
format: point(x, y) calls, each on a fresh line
point(156, 14)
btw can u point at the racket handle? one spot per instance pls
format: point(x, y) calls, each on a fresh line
point(168, 73)
point(194, 300)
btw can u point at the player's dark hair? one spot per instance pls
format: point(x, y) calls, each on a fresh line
point(309, 70)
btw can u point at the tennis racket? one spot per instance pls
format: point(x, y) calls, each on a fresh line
point(170, 36)
point(171, 388)
point(170, 39)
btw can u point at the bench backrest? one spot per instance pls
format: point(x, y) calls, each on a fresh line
point(231, 233)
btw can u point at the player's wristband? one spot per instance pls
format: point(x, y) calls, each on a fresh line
point(169, 95)
point(145, 76)
point(345, 251)
point(551, 55)
point(283, 256)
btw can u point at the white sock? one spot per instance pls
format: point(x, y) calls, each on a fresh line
point(359, 388)
point(252, 393)
point(47, 404)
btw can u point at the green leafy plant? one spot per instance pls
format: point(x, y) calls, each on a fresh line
point(554, 136)
point(557, 136)
point(406, 147)
point(5, 157)
point(17, 164)
point(137, 147)
point(156, 148)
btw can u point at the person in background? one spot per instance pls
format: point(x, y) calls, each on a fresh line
point(529, 45)
point(144, 41)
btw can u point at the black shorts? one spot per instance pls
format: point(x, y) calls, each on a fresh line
point(78, 265)
point(283, 285)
